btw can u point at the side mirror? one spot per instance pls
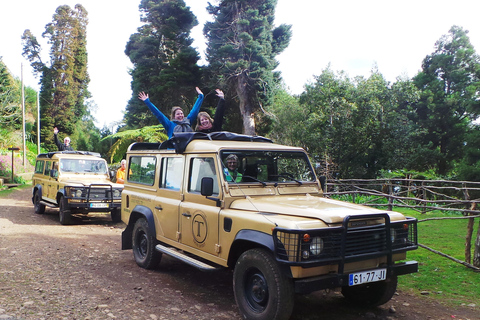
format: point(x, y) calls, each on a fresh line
point(112, 174)
point(207, 186)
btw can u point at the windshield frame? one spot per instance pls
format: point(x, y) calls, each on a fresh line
point(264, 166)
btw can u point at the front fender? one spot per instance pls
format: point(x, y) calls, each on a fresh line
point(37, 188)
point(137, 213)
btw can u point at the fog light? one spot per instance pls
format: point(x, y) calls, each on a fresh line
point(305, 254)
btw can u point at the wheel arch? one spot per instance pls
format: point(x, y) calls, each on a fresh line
point(137, 213)
point(37, 187)
point(251, 239)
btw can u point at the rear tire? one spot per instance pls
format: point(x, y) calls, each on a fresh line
point(65, 213)
point(371, 294)
point(37, 206)
point(262, 291)
point(143, 245)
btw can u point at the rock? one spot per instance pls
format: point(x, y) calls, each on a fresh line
point(392, 309)
point(424, 293)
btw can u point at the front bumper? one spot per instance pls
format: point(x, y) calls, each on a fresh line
point(335, 280)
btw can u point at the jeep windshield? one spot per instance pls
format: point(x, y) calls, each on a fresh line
point(83, 166)
point(264, 167)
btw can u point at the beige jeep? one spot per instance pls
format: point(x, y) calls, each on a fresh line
point(75, 182)
point(272, 225)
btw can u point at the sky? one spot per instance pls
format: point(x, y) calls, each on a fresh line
point(348, 35)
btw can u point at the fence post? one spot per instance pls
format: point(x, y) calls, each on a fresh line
point(424, 197)
point(390, 198)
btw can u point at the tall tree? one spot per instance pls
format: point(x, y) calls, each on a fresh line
point(64, 80)
point(10, 112)
point(450, 84)
point(165, 63)
point(241, 49)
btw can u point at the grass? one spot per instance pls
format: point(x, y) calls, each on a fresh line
point(5, 193)
point(444, 279)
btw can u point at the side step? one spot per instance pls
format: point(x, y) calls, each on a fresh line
point(187, 259)
point(48, 204)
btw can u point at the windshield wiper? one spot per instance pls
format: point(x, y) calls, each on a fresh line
point(289, 176)
point(256, 180)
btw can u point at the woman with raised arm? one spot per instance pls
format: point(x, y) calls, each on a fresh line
point(177, 122)
point(205, 123)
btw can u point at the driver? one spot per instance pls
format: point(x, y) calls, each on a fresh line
point(231, 170)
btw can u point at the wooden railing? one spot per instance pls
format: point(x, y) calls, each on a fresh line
point(420, 195)
point(423, 196)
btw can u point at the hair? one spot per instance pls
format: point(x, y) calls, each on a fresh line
point(232, 157)
point(200, 115)
point(123, 161)
point(174, 109)
point(66, 138)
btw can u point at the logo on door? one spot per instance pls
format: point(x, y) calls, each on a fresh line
point(199, 228)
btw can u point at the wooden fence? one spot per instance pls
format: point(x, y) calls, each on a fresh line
point(423, 196)
point(420, 195)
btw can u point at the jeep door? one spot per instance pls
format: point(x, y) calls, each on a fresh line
point(169, 196)
point(49, 184)
point(199, 215)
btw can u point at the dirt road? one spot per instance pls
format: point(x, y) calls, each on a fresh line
point(50, 271)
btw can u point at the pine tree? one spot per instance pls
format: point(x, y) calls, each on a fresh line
point(165, 63)
point(64, 81)
point(242, 46)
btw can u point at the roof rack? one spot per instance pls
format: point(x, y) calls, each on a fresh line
point(51, 154)
point(180, 140)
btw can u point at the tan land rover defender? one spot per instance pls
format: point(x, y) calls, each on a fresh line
point(75, 182)
point(245, 203)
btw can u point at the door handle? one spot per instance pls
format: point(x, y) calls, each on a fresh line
point(188, 215)
point(158, 208)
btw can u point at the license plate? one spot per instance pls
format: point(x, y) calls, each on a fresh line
point(98, 205)
point(367, 276)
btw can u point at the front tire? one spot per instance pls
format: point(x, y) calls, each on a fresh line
point(143, 245)
point(116, 215)
point(65, 213)
point(371, 294)
point(37, 206)
point(262, 291)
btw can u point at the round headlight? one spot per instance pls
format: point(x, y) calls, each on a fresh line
point(393, 235)
point(116, 193)
point(316, 246)
point(78, 193)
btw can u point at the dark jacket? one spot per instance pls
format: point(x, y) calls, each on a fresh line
point(61, 146)
point(218, 119)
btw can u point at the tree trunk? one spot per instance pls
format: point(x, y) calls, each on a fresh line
point(246, 108)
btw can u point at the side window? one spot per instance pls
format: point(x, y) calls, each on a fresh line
point(172, 171)
point(39, 166)
point(201, 168)
point(48, 165)
point(142, 170)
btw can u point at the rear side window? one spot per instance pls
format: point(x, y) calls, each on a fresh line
point(142, 170)
point(48, 165)
point(172, 173)
point(39, 166)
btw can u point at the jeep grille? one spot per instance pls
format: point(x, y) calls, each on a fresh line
point(294, 246)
